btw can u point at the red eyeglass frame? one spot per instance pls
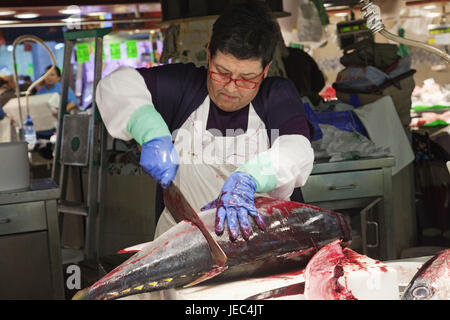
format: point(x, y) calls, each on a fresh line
point(234, 80)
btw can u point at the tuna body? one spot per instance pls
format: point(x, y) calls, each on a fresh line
point(294, 232)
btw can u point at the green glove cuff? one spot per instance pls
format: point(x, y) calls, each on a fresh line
point(262, 171)
point(146, 124)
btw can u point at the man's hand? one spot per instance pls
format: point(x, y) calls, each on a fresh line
point(236, 202)
point(160, 158)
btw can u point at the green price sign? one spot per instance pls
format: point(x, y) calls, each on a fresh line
point(132, 49)
point(114, 50)
point(82, 52)
point(30, 69)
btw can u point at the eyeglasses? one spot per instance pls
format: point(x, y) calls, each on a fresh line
point(224, 79)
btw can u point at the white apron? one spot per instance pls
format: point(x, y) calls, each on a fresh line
point(207, 160)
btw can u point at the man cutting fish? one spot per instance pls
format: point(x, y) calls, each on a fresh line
point(222, 133)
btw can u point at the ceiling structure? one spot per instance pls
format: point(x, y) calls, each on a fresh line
point(147, 10)
point(125, 17)
point(45, 13)
point(147, 14)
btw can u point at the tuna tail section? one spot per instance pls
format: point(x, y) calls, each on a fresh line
point(81, 295)
point(117, 291)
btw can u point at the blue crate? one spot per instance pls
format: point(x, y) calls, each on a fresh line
point(343, 120)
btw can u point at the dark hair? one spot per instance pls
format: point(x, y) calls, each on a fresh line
point(246, 31)
point(58, 71)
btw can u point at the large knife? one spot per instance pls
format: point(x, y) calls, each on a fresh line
point(180, 209)
point(290, 290)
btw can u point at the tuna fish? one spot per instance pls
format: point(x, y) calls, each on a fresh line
point(322, 274)
point(339, 273)
point(432, 281)
point(180, 257)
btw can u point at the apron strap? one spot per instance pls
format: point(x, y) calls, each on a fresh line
point(297, 195)
point(159, 202)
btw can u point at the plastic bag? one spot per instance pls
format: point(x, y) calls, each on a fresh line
point(344, 120)
point(343, 145)
point(309, 25)
point(360, 78)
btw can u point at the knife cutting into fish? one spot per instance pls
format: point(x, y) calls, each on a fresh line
point(178, 258)
point(180, 209)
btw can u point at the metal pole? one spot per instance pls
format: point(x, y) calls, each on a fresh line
point(102, 148)
point(94, 161)
point(56, 170)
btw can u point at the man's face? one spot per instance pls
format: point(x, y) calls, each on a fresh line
point(52, 78)
point(230, 97)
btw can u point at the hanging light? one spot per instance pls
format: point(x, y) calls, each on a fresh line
point(8, 21)
point(96, 14)
point(26, 15)
point(71, 10)
point(6, 13)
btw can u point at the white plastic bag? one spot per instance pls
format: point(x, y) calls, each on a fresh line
point(308, 22)
point(343, 145)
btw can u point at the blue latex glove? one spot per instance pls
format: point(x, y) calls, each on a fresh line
point(160, 158)
point(236, 202)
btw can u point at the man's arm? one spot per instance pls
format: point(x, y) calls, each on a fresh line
point(125, 104)
point(289, 161)
point(124, 101)
point(283, 167)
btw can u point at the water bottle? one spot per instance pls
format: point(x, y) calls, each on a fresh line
point(29, 133)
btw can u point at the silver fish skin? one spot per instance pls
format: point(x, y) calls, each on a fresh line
point(432, 281)
point(181, 256)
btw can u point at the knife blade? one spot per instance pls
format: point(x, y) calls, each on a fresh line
point(180, 209)
point(290, 290)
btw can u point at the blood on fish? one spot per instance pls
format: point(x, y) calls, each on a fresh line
point(383, 268)
point(352, 258)
point(274, 249)
point(322, 274)
point(287, 209)
point(190, 222)
point(194, 228)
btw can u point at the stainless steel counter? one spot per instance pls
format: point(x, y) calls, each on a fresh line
point(31, 266)
point(323, 166)
point(39, 190)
